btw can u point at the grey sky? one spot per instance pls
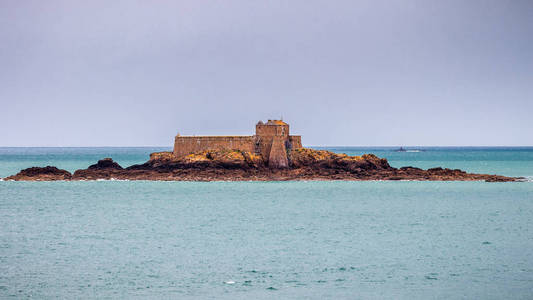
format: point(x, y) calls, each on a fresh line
point(134, 73)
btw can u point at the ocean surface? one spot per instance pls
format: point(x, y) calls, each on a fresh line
point(268, 240)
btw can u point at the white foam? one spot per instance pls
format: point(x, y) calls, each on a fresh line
point(101, 179)
point(528, 178)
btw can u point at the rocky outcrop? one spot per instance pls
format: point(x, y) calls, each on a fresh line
point(208, 159)
point(104, 169)
point(47, 173)
point(105, 164)
point(236, 165)
point(305, 157)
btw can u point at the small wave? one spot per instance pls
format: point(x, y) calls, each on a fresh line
point(412, 150)
point(114, 179)
point(525, 179)
point(110, 179)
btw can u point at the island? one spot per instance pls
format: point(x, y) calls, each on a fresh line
point(272, 154)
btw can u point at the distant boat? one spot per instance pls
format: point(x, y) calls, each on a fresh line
point(402, 149)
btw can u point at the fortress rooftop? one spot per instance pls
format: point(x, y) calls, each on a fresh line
point(276, 122)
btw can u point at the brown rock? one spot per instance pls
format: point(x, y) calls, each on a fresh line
point(47, 173)
point(238, 165)
point(104, 169)
point(105, 164)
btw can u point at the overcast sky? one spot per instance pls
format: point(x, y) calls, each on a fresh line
point(362, 73)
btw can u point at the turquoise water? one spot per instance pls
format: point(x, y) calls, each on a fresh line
point(268, 240)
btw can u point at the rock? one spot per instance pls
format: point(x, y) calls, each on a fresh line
point(105, 164)
point(237, 165)
point(326, 159)
point(104, 169)
point(47, 173)
point(168, 156)
point(410, 168)
point(496, 178)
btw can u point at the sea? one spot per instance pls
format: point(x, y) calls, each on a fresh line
point(268, 240)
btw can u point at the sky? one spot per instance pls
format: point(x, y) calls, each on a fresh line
point(341, 73)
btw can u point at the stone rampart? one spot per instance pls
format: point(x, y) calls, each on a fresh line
point(271, 140)
point(184, 145)
point(296, 141)
point(278, 153)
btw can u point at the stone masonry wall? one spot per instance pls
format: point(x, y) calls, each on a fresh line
point(296, 141)
point(184, 145)
point(271, 141)
point(278, 153)
point(265, 135)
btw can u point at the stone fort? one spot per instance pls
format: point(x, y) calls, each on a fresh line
point(271, 140)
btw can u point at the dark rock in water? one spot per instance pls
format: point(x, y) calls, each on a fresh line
point(104, 164)
point(104, 169)
point(237, 165)
point(47, 173)
point(410, 168)
point(496, 179)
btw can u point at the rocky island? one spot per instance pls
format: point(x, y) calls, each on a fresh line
point(270, 154)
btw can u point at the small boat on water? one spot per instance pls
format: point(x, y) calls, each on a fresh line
point(402, 149)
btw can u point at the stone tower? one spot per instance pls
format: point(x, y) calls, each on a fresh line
point(272, 141)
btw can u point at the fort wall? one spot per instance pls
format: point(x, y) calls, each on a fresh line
point(267, 133)
point(278, 154)
point(272, 141)
point(296, 141)
point(271, 130)
point(184, 145)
